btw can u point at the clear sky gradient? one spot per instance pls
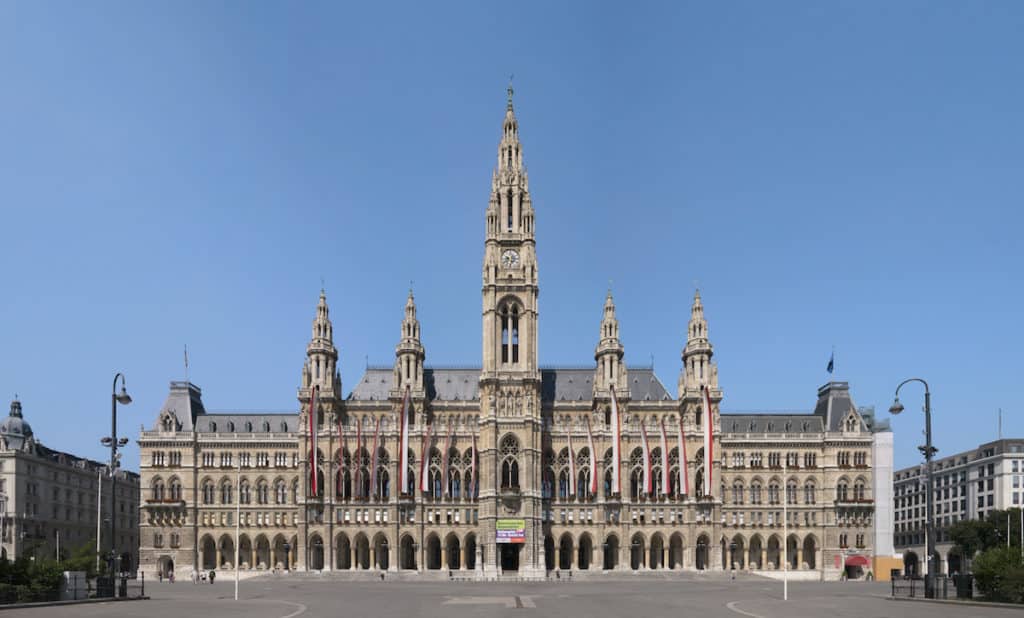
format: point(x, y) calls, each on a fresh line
point(843, 173)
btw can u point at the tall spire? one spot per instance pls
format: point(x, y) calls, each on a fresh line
point(409, 352)
point(698, 368)
point(320, 368)
point(611, 370)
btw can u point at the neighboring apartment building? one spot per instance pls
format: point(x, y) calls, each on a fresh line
point(49, 497)
point(508, 466)
point(967, 485)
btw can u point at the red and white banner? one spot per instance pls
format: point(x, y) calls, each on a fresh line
point(709, 456)
point(403, 446)
point(593, 460)
point(373, 460)
point(684, 472)
point(647, 458)
point(313, 445)
point(342, 447)
point(664, 459)
point(425, 460)
point(444, 459)
point(616, 439)
point(358, 463)
point(472, 459)
point(572, 466)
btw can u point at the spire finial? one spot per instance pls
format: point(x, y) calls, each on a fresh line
point(510, 91)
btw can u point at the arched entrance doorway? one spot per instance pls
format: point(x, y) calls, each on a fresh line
point(565, 552)
point(453, 549)
point(774, 552)
point(754, 554)
point(227, 552)
point(262, 552)
point(791, 554)
point(380, 548)
point(701, 553)
point(657, 553)
point(953, 562)
point(636, 552)
point(675, 551)
point(433, 552)
point(470, 551)
point(549, 553)
point(611, 552)
point(362, 552)
point(810, 552)
point(586, 550)
point(166, 566)
point(208, 553)
point(316, 553)
point(911, 565)
point(343, 553)
point(737, 551)
point(407, 554)
point(509, 556)
point(244, 552)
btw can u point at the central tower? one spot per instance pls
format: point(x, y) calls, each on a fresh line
point(510, 419)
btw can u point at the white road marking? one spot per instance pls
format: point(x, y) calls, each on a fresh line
point(506, 601)
point(527, 602)
point(301, 610)
point(732, 606)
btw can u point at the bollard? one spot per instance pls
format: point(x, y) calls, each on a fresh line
point(143, 593)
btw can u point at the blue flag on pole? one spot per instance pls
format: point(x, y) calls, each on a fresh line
point(831, 363)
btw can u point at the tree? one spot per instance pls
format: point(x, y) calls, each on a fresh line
point(999, 574)
point(972, 536)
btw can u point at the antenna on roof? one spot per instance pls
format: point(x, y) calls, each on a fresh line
point(367, 368)
point(186, 363)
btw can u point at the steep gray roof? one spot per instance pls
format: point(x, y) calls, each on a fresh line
point(462, 384)
point(240, 422)
point(835, 404)
point(185, 402)
point(771, 423)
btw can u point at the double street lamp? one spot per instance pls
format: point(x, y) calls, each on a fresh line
point(929, 452)
point(114, 443)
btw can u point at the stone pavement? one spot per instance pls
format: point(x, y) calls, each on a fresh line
point(648, 595)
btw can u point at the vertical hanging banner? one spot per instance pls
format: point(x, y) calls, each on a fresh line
point(473, 463)
point(684, 472)
point(709, 456)
point(647, 458)
point(664, 459)
point(616, 444)
point(425, 460)
point(313, 446)
point(373, 460)
point(572, 466)
point(403, 447)
point(593, 460)
point(358, 463)
point(444, 460)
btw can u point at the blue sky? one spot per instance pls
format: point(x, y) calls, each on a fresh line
point(844, 173)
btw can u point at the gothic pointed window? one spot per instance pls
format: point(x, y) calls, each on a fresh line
point(515, 334)
point(503, 316)
point(510, 463)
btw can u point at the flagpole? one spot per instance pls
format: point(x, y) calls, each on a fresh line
point(785, 535)
point(238, 520)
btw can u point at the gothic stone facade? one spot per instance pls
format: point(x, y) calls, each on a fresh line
point(504, 429)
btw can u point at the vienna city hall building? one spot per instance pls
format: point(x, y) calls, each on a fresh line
point(511, 467)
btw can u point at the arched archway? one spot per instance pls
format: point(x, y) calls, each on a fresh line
point(656, 559)
point(636, 552)
point(244, 552)
point(453, 548)
point(227, 552)
point(279, 553)
point(565, 552)
point(208, 553)
point(754, 554)
point(381, 549)
point(262, 552)
point(343, 551)
point(362, 546)
point(433, 557)
point(774, 553)
point(675, 551)
point(810, 555)
point(737, 553)
point(791, 553)
point(407, 553)
point(470, 544)
point(586, 550)
point(165, 565)
point(611, 552)
point(316, 553)
point(953, 563)
point(911, 564)
point(549, 553)
point(702, 551)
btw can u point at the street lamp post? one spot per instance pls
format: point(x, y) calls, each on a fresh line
point(287, 561)
point(929, 452)
point(112, 440)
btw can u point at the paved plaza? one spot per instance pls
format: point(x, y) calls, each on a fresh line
point(646, 596)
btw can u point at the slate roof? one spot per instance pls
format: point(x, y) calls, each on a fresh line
point(462, 384)
point(240, 422)
point(771, 423)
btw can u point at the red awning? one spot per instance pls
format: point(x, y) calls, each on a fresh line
point(857, 561)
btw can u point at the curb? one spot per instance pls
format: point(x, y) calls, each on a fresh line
point(963, 603)
point(78, 602)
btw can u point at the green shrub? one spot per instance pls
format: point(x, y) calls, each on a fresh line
point(999, 574)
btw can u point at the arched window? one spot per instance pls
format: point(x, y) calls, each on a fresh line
point(843, 490)
point(510, 463)
point(755, 492)
point(858, 490)
point(175, 490)
point(737, 492)
point(244, 493)
point(158, 490)
point(509, 316)
point(208, 492)
point(809, 497)
point(773, 492)
point(225, 492)
point(791, 492)
point(280, 493)
point(636, 474)
point(262, 492)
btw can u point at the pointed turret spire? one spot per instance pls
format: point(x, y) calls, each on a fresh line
point(611, 370)
point(698, 368)
point(320, 368)
point(409, 352)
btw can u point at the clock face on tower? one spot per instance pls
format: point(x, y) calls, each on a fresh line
point(510, 259)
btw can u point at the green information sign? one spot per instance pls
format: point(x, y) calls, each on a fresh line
point(510, 530)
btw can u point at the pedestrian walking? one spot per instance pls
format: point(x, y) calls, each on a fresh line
point(195, 577)
point(213, 574)
point(160, 575)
